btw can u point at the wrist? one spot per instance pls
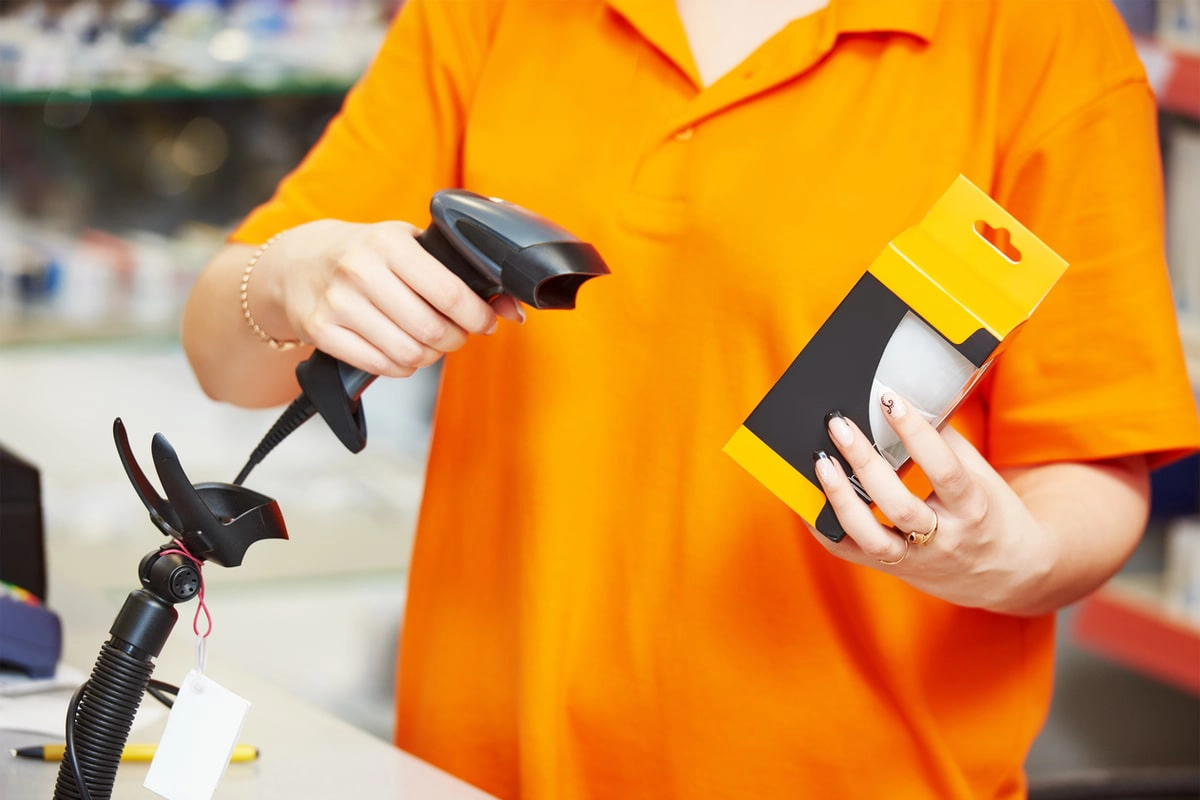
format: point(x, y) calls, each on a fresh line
point(271, 272)
point(261, 323)
point(1035, 557)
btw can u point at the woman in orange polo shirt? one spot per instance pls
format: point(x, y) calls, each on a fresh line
point(601, 603)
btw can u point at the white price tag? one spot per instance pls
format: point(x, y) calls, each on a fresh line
point(201, 732)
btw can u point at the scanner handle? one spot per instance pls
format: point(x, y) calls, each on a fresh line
point(438, 246)
point(334, 387)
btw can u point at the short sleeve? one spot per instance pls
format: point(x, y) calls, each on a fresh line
point(398, 137)
point(1098, 371)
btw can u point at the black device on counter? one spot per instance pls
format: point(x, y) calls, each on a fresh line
point(496, 247)
point(30, 633)
point(22, 537)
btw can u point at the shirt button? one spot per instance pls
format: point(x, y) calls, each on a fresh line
point(685, 135)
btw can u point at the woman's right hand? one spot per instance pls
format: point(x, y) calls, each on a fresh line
point(368, 294)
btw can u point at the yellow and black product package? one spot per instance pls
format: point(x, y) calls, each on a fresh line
point(925, 321)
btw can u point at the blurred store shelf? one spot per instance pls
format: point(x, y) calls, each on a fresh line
point(184, 49)
point(1174, 74)
point(1189, 331)
point(61, 288)
point(168, 91)
point(51, 331)
point(1130, 622)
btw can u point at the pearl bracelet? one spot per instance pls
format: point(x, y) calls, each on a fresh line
point(274, 343)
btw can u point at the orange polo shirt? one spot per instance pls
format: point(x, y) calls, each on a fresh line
point(602, 603)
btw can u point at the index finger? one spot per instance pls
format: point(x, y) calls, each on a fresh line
point(435, 283)
point(950, 478)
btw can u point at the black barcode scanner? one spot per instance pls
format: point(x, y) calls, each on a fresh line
point(495, 247)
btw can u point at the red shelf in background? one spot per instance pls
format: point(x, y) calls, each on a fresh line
point(1124, 622)
point(1174, 75)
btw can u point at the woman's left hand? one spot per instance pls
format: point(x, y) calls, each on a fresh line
point(972, 543)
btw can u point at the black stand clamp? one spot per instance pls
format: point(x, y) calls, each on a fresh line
point(214, 522)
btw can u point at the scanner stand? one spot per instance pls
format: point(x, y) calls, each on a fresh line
point(214, 522)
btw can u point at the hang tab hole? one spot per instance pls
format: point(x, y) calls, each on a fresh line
point(999, 238)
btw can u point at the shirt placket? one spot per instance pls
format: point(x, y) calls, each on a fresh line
point(658, 192)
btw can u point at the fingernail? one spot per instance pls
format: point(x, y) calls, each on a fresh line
point(859, 490)
point(520, 312)
point(824, 466)
point(491, 328)
point(892, 405)
point(840, 430)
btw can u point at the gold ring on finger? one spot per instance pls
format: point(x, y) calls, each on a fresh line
point(898, 560)
point(920, 538)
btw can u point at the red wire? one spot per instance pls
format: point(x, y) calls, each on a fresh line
point(201, 607)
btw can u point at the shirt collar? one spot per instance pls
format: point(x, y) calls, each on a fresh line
point(658, 21)
point(916, 17)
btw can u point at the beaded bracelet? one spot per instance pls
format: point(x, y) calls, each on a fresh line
point(274, 343)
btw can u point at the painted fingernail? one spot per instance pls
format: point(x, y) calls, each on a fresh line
point(840, 430)
point(824, 466)
point(859, 490)
point(892, 405)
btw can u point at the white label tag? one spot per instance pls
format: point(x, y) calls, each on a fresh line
point(201, 732)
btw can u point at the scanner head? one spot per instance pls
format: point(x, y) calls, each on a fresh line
point(517, 251)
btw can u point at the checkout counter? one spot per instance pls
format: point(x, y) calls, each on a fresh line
point(303, 751)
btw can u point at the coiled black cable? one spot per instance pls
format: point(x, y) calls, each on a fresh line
point(300, 411)
point(98, 723)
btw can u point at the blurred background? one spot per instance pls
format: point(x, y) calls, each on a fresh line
point(135, 133)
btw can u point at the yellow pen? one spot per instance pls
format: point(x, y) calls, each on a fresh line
point(132, 752)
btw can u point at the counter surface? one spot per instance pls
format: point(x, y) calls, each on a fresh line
point(305, 753)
